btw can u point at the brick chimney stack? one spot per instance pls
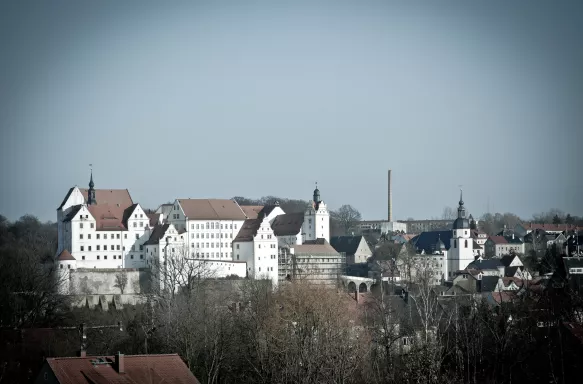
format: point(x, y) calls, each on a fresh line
point(119, 363)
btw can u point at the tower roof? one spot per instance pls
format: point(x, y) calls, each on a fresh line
point(65, 255)
point(461, 222)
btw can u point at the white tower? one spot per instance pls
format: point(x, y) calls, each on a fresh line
point(316, 219)
point(461, 250)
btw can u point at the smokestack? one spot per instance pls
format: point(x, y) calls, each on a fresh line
point(390, 196)
point(120, 363)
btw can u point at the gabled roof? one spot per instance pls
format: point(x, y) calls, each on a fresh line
point(65, 255)
point(489, 283)
point(506, 260)
point(498, 239)
point(116, 197)
point(74, 210)
point(315, 247)
point(138, 369)
point(427, 240)
point(109, 217)
point(485, 264)
point(346, 244)
point(288, 224)
point(154, 218)
point(252, 211)
point(248, 230)
point(157, 234)
point(212, 209)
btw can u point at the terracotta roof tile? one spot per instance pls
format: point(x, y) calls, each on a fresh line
point(499, 239)
point(154, 369)
point(251, 211)
point(65, 255)
point(323, 248)
point(212, 209)
point(105, 196)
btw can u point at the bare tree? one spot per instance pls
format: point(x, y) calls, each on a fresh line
point(347, 216)
point(121, 281)
point(448, 213)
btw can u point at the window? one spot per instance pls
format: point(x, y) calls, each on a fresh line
point(117, 236)
point(114, 257)
point(455, 243)
point(141, 256)
point(105, 247)
point(237, 246)
point(141, 247)
point(132, 257)
point(125, 235)
point(231, 226)
point(98, 236)
point(141, 224)
point(237, 257)
point(135, 224)
point(207, 235)
point(197, 245)
point(259, 269)
point(82, 257)
point(81, 236)
point(97, 247)
point(105, 236)
point(89, 248)
point(466, 244)
point(89, 236)
point(92, 225)
point(133, 247)
point(212, 225)
point(61, 266)
point(117, 247)
point(97, 257)
point(235, 226)
point(81, 224)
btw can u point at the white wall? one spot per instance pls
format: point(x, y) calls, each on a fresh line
point(213, 238)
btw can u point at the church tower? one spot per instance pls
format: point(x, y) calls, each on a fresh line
point(316, 219)
point(461, 250)
point(91, 191)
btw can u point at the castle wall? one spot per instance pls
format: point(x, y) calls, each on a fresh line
point(91, 281)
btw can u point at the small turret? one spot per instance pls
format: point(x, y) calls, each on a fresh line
point(91, 192)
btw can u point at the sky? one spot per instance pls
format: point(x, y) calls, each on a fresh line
point(215, 99)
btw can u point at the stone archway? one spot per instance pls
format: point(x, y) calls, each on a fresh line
point(351, 287)
point(362, 288)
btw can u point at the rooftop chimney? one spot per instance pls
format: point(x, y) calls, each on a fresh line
point(119, 363)
point(390, 199)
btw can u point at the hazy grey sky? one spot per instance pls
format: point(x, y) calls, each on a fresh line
point(218, 99)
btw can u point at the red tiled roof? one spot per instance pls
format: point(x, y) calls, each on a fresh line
point(212, 209)
point(152, 369)
point(154, 218)
point(252, 211)
point(499, 239)
point(551, 227)
point(65, 255)
point(105, 196)
point(109, 217)
point(315, 248)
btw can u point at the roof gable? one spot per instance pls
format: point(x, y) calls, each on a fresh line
point(65, 255)
point(315, 247)
point(348, 244)
point(248, 230)
point(252, 211)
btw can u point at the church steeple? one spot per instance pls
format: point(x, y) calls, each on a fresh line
point(91, 191)
point(316, 197)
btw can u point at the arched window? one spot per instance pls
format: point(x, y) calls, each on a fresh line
point(455, 243)
point(466, 243)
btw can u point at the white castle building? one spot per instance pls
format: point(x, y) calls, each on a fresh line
point(105, 229)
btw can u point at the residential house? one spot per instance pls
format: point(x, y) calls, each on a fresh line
point(116, 369)
point(498, 246)
point(522, 229)
point(355, 248)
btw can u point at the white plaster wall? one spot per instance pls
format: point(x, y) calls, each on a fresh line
point(274, 213)
point(265, 254)
point(214, 242)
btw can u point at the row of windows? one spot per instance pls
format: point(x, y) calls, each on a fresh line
point(211, 225)
point(212, 245)
point(98, 236)
point(211, 235)
point(208, 255)
point(98, 248)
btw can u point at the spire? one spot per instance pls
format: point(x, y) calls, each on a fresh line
point(461, 196)
point(91, 191)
